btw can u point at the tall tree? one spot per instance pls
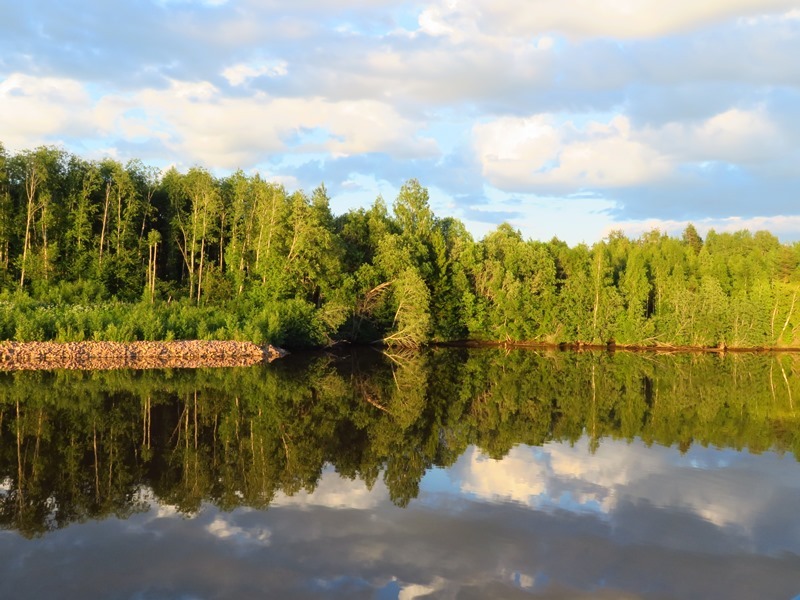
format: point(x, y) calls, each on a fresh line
point(692, 239)
point(271, 232)
point(241, 199)
point(6, 214)
point(145, 180)
point(38, 173)
point(82, 215)
point(195, 203)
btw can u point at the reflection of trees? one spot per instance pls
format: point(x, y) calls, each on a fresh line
point(80, 445)
point(69, 460)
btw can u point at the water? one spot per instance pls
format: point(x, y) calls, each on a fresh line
point(469, 474)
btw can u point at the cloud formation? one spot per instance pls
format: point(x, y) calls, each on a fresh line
point(659, 112)
point(584, 18)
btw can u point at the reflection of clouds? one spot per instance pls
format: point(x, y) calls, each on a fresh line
point(526, 581)
point(713, 485)
point(158, 509)
point(225, 530)
point(518, 579)
point(472, 547)
point(598, 479)
point(516, 477)
point(417, 590)
point(607, 468)
point(334, 491)
point(151, 513)
point(164, 511)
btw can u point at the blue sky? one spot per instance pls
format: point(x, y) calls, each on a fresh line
point(566, 118)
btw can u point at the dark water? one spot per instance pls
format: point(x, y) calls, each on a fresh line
point(452, 474)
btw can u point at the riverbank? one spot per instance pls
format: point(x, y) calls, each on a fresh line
point(16, 356)
point(187, 354)
point(611, 347)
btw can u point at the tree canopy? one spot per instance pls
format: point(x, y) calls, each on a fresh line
point(101, 249)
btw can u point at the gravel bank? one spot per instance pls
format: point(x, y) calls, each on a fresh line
point(15, 356)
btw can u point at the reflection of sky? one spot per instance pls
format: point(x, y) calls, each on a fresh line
point(334, 491)
point(713, 484)
point(630, 521)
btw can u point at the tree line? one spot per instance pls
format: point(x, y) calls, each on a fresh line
point(106, 250)
point(79, 445)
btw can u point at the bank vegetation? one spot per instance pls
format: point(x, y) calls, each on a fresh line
point(100, 250)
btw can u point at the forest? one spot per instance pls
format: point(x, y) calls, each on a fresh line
point(98, 249)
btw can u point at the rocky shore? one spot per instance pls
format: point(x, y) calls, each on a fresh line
point(16, 356)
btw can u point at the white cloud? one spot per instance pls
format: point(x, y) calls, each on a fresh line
point(735, 136)
point(617, 18)
point(545, 43)
point(197, 122)
point(451, 19)
point(242, 72)
point(35, 110)
point(539, 153)
point(779, 225)
point(230, 132)
point(484, 70)
point(518, 153)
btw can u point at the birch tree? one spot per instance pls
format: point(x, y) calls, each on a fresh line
point(195, 204)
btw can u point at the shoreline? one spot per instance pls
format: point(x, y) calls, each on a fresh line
point(611, 347)
point(91, 355)
point(188, 354)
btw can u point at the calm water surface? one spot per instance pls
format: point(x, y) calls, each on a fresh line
point(452, 474)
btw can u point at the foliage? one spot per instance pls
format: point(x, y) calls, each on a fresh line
point(105, 250)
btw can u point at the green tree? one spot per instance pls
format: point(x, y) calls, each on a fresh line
point(7, 229)
point(196, 206)
point(634, 325)
point(38, 173)
point(412, 320)
point(692, 239)
point(515, 286)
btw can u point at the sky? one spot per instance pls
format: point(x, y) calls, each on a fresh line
point(567, 119)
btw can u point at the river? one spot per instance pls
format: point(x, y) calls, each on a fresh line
point(469, 473)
